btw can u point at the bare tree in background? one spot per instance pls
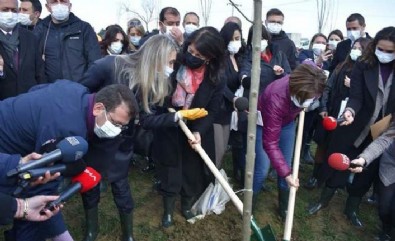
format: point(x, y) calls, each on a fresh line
point(147, 14)
point(324, 9)
point(205, 6)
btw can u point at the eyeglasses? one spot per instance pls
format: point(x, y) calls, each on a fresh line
point(122, 127)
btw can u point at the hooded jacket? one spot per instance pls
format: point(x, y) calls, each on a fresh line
point(287, 46)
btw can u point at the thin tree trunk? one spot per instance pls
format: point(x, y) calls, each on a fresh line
point(252, 118)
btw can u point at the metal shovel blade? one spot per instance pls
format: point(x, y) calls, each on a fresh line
point(264, 234)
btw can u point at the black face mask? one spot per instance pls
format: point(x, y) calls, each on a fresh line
point(192, 61)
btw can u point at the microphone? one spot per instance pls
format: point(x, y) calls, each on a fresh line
point(80, 183)
point(241, 103)
point(330, 123)
point(341, 162)
point(67, 170)
point(69, 149)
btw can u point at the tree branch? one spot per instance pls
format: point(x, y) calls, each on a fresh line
point(242, 14)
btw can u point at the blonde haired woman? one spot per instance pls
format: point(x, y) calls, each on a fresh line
point(146, 72)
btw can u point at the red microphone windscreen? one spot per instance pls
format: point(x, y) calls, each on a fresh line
point(329, 123)
point(88, 179)
point(339, 161)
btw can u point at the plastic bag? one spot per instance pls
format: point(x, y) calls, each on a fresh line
point(213, 200)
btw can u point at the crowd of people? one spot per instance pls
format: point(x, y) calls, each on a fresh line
point(74, 82)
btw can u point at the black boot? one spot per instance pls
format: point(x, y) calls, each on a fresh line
point(351, 210)
point(283, 196)
point(307, 157)
point(168, 206)
point(126, 226)
point(326, 195)
point(91, 224)
point(186, 205)
point(311, 183)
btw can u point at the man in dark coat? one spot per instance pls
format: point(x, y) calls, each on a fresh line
point(29, 13)
point(355, 25)
point(77, 49)
point(21, 66)
point(29, 120)
point(274, 22)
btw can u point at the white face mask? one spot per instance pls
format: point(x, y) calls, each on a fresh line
point(234, 46)
point(168, 71)
point(107, 130)
point(116, 47)
point(355, 53)
point(353, 34)
point(332, 44)
point(264, 44)
point(274, 28)
point(318, 48)
point(135, 40)
point(190, 28)
point(24, 19)
point(383, 57)
point(305, 104)
point(60, 11)
point(8, 20)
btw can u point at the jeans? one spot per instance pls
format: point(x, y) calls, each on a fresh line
point(262, 163)
point(287, 142)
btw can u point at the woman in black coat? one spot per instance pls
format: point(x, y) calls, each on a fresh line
point(197, 85)
point(372, 97)
point(337, 90)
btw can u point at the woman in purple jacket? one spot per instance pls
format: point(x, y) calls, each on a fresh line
point(279, 104)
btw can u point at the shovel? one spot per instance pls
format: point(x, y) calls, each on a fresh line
point(264, 234)
point(295, 171)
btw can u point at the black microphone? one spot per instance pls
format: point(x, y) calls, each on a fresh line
point(241, 103)
point(66, 170)
point(84, 182)
point(69, 149)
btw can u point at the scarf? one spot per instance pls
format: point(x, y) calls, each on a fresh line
point(188, 82)
point(11, 43)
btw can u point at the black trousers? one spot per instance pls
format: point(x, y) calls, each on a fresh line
point(387, 206)
point(121, 193)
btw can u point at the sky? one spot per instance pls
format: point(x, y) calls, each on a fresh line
point(300, 15)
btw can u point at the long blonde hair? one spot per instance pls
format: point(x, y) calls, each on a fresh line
point(144, 70)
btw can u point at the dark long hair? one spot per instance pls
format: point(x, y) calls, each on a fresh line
point(369, 56)
point(111, 35)
point(210, 45)
point(265, 35)
point(348, 63)
point(227, 32)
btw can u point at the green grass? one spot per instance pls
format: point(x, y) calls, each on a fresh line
point(328, 225)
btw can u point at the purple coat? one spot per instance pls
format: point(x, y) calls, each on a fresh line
point(277, 110)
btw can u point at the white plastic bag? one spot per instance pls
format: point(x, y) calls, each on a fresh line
point(212, 200)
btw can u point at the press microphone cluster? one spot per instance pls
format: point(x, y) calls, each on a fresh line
point(69, 150)
point(83, 182)
point(341, 162)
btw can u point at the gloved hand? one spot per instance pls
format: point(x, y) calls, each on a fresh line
point(192, 114)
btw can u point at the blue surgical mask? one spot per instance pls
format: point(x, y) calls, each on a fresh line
point(135, 40)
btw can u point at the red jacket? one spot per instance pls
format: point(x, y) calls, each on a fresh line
point(277, 110)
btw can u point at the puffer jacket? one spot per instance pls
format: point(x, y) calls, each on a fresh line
point(277, 110)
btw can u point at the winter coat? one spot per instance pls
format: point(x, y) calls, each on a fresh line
point(287, 46)
point(29, 120)
point(69, 48)
point(277, 110)
point(30, 70)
